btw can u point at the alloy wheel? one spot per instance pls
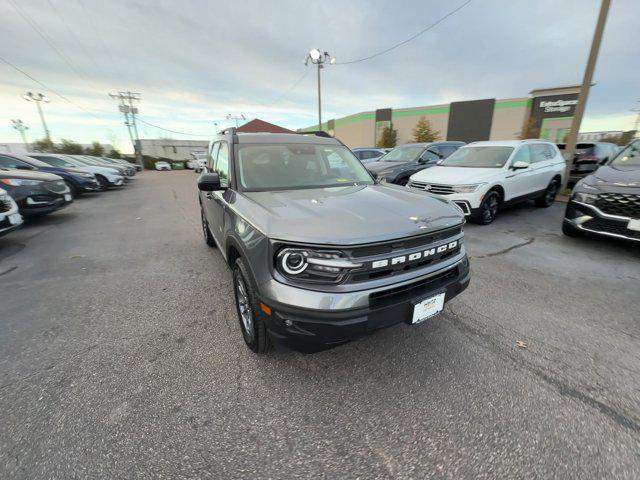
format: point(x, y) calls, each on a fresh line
point(490, 208)
point(244, 306)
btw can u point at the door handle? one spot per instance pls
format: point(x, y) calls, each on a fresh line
point(208, 195)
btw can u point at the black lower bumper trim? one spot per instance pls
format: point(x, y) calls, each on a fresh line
point(302, 330)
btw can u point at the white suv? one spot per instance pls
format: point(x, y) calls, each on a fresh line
point(482, 176)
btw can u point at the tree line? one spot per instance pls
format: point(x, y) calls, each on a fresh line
point(70, 147)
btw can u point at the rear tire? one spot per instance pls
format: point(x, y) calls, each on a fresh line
point(488, 208)
point(250, 316)
point(571, 231)
point(549, 195)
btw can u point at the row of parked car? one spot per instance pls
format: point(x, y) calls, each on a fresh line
point(482, 177)
point(41, 183)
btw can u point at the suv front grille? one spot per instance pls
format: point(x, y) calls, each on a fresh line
point(621, 204)
point(432, 188)
point(617, 227)
point(5, 205)
point(56, 187)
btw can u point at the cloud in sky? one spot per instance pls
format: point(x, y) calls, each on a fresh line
point(196, 61)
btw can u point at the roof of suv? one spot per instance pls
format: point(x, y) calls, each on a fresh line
point(507, 143)
point(281, 138)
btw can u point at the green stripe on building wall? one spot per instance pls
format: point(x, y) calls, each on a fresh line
point(355, 118)
point(419, 112)
point(512, 104)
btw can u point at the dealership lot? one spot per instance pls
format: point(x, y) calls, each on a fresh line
point(121, 356)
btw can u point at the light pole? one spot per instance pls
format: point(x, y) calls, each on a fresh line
point(318, 58)
point(38, 98)
point(22, 128)
point(236, 118)
point(570, 144)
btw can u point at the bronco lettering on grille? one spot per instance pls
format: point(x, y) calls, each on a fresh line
point(414, 256)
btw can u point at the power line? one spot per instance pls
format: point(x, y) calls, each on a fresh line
point(46, 38)
point(172, 131)
point(413, 37)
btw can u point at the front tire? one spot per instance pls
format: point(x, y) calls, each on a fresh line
point(250, 315)
point(104, 183)
point(488, 208)
point(72, 188)
point(549, 195)
point(208, 238)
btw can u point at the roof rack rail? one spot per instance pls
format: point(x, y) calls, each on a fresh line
point(230, 130)
point(317, 133)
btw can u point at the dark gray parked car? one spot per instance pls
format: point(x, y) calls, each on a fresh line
point(403, 161)
point(320, 252)
point(607, 202)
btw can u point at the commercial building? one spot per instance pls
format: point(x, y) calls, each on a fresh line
point(545, 113)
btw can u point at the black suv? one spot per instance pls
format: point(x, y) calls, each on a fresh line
point(403, 161)
point(607, 202)
point(588, 157)
point(320, 252)
point(36, 193)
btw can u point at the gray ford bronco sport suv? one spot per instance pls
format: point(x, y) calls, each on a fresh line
point(322, 254)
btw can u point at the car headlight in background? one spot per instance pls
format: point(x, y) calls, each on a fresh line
point(18, 182)
point(311, 265)
point(466, 188)
point(582, 197)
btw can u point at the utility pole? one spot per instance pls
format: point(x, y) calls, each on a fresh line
point(318, 58)
point(127, 108)
point(637, 123)
point(584, 90)
point(22, 128)
point(236, 118)
point(39, 98)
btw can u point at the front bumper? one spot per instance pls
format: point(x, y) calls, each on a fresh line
point(590, 219)
point(303, 328)
point(115, 180)
point(89, 186)
point(41, 204)
point(10, 220)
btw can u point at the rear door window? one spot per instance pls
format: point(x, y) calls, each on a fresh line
point(522, 155)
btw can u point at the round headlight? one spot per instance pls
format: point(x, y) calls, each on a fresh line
point(293, 262)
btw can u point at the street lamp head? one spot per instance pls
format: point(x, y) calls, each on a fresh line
point(28, 96)
point(333, 60)
point(315, 54)
point(44, 98)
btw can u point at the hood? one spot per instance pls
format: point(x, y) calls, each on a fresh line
point(615, 176)
point(347, 215)
point(455, 175)
point(376, 167)
point(28, 175)
point(96, 169)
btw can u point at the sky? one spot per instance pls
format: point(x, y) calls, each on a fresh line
point(195, 62)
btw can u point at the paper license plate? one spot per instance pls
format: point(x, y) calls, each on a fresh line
point(428, 308)
point(14, 219)
point(67, 197)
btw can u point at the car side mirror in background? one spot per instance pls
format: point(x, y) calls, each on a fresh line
point(520, 165)
point(209, 182)
point(23, 167)
point(439, 162)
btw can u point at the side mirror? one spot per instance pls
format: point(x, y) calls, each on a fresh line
point(604, 161)
point(23, 167)
point(520, 165)
point(209, 182)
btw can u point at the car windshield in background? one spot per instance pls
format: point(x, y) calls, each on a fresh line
point(478, 157)
point(295, 166)
point(58, 162)
point(402, 154)
point(629, 157)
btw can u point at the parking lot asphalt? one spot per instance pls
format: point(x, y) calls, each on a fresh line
point(121, 357)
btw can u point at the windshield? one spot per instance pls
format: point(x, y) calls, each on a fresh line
point(57, 161)
point(478, 157)
point(295, 166)
point(629, 157)
point(403, 154)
